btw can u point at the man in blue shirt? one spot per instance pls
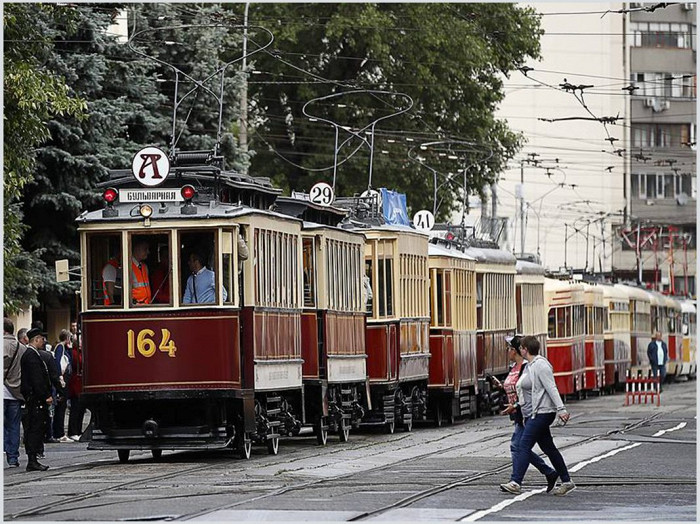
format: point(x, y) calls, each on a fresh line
point(201, 285)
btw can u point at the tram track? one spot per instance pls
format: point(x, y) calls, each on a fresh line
point(292, 455)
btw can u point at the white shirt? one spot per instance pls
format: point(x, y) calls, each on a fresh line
point(660, 353)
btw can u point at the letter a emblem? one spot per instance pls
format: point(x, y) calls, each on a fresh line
point(150, 166)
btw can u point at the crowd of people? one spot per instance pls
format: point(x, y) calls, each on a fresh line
point(41, 384)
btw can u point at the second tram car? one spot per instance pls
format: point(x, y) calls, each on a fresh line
point(529, 297)
point(617, 335)
point(689, 331)
point(594, 320)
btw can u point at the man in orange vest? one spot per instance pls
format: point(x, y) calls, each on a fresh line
point(140, 285)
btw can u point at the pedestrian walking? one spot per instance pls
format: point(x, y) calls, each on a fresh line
point(519, 407)
point(546, 405)
point(657, 351)
point(12, 398)
point(62, 357)
point(36, 390)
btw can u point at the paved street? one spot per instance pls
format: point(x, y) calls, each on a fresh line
point(436, 474)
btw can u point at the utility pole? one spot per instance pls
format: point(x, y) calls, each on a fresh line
point(243, 134)
point(638, 252)
point(566, 241)
point(494, 211)
point(522, 206)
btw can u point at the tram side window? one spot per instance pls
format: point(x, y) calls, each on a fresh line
point(440, 297)
point(229, 266)
point(552, 323)
point(310, 273)
point(104, 263)
point(199, 282)
point(386, 291)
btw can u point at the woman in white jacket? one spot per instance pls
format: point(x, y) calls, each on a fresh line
point(546, 405)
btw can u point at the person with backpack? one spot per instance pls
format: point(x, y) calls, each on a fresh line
point(514, 409)
point(12, 398)
point(63, 357)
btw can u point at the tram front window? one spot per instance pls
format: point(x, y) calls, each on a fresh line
point(104, 268)
point(149, 269)
point(198, 262)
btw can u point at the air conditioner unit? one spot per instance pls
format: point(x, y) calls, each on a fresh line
point(688, 6)
point(649, 102)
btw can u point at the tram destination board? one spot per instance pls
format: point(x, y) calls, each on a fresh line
point(139, 196)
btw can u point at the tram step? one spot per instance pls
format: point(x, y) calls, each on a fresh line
point(273, 400)
point(346, 391)
point(274, 411)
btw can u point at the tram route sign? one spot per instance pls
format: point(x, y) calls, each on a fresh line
point(140, 196)
point(424, 220)
point(150, 166)
point(321, 194)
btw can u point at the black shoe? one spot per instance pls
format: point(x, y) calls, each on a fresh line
point(36, 466)
point(551, 481)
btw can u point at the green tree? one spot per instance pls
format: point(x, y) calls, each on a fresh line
point(450, 59)
point(124, 112)
point(32, 95)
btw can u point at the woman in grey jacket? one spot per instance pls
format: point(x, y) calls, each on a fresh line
point(546, 404)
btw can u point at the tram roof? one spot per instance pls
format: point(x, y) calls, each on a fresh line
point(612, 291)
point(523, 267)
point(447, 251)
point(635, 293)
point(491, 255)
point(173, 211)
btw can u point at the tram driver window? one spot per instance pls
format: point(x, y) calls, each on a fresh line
point(198, 263)
point(148, 269)
point(104, 263)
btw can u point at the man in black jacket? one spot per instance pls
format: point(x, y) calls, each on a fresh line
point(36, 390)
point(657, 351)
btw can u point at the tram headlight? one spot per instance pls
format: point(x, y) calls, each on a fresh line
point(145, 211)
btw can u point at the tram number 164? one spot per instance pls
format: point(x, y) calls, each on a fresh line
point(147, 346)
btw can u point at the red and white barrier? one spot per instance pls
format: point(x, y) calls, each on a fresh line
point(647, 388)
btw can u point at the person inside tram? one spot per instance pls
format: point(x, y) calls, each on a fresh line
point(110, 276)
point(160, 278)
point(201, 284)
point(367, 287)
point(140, 284)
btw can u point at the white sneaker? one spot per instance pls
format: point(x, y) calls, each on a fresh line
point(74, 438)
point(65, 438)
point(511, 487)
point(564, 488)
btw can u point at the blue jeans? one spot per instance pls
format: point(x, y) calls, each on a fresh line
point(659, 371)
point(536, 431)
point(535, 459)
point(12, 418)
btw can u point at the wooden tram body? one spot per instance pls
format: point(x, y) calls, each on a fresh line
point(452, 385)
point(397, 334)
point(617, 335)
point(689, 332)
point(564, 304)
point(495, 317)
point(529, 295)
point(175, 375)
point(595, 313)
point(640, 328)
point(332, 320)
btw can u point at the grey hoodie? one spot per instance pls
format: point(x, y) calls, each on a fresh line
point(545, 395)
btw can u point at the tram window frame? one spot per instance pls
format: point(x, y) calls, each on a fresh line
point(309, 272)
point(229, 265)
point(153, 247)
point(552, 322)
point(95, 278)
point(184, 248)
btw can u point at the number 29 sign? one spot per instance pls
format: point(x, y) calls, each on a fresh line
point(321, 194)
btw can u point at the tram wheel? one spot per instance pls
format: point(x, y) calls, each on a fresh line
point(390, 427)
point(273, 445)
point(246, 449)
point(157, 454)
point(123, 455)
point(344, 431)
point(321, 433)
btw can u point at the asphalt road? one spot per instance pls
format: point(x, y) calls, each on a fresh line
point(630, 463)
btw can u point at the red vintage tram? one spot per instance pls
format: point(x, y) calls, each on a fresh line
point(594, 320)
point(452, 386)
point(176, 371)
point(617, 335)
point(529, 295)
point(564, 303)
point(333, 318)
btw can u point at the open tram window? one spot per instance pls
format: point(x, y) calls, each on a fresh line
point(386, 287)
point(229, 266)
point(200, 282)
point(104, 269)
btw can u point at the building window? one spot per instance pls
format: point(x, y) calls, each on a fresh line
point(661, 135)
point(661, 34)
